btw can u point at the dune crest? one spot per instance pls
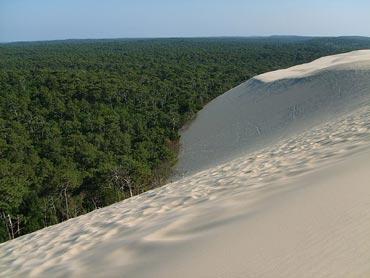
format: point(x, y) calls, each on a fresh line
point(259, 113)
point(329, 62)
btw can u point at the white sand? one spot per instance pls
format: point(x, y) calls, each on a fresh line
point(259, 113)
point(325, 63)
point(297, 208)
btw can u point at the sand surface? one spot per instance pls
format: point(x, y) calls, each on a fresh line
point(297, 207)
point(333, 62)
point(274, 106)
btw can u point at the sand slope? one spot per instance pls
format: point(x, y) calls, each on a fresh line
point(273, 106)
point(299, 207)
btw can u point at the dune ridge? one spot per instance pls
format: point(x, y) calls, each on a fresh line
point(258, 113)
point(333, 62)
point(297, 207)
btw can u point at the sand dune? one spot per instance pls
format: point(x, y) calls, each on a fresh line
point(294, 207)
point(273, 106)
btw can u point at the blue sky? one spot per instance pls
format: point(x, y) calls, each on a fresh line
point(63, 19)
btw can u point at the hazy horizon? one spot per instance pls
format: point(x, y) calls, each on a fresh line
point(184, 37)
point(39, 20)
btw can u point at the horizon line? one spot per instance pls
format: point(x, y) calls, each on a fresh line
point(186, 37)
